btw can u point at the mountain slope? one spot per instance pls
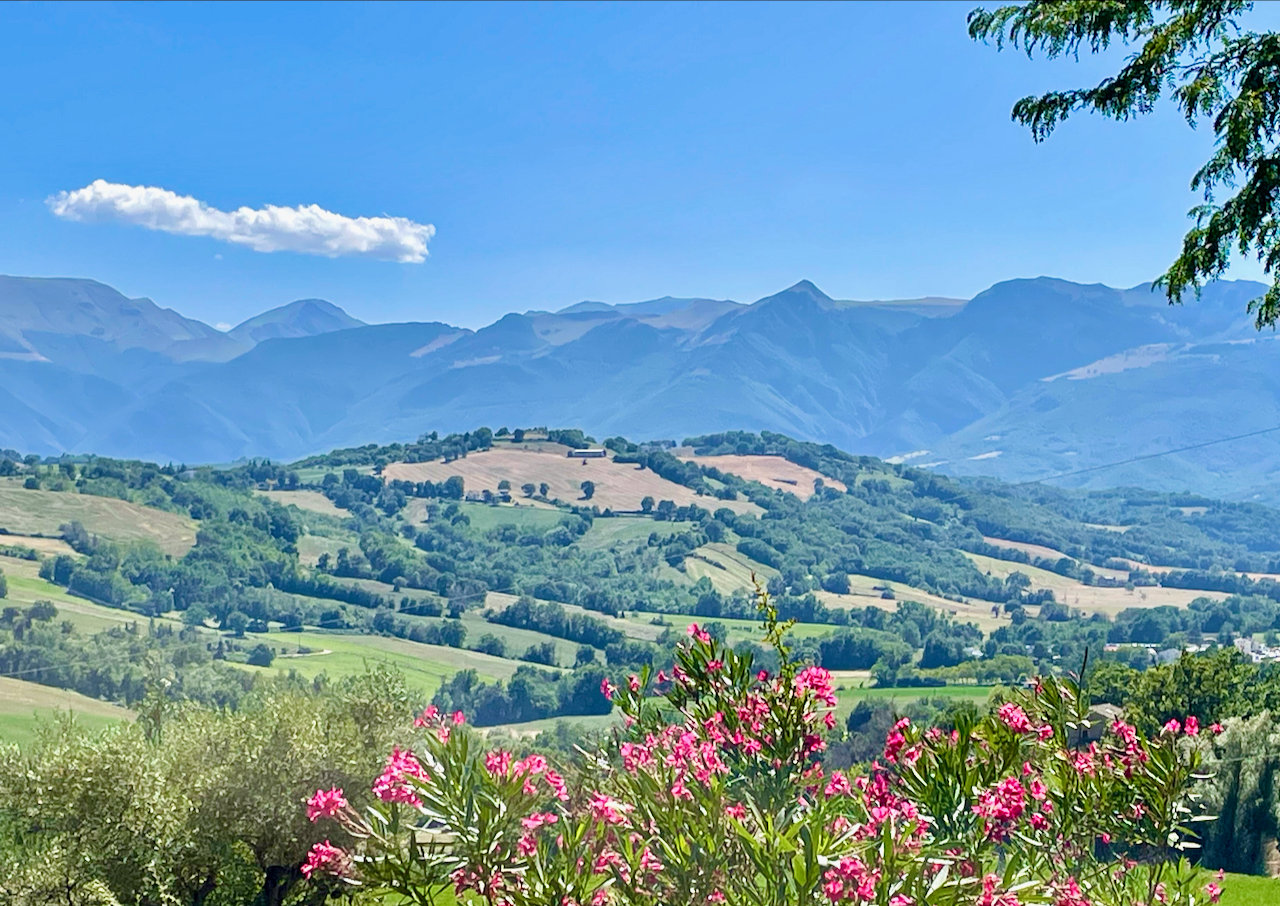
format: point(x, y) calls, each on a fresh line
point(1032, 377)
point(33, 310)
point(304, 318)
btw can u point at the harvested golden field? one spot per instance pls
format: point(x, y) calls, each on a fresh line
point(44, 546)
point(1091, 598)
point(618, 486)
point(1039, 552)
point(865, 591)
point(771, 471)
point(26, 512)
point(312, 501)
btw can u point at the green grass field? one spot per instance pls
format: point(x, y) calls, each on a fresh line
point(1248, 890)
point(25, 706)
point(849, 693)
point(525, 517)
point(26, 512)
point(26, 587)
point(625, 530)
point(517, 640)
point(345, 654)
point(728, 570)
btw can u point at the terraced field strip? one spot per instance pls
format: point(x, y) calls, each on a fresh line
point(1092, 598)
point(49, 547)
point(497, 600)
point(26, 512)
point(516, 640)
point(739, 629)
point(618, 486)
point(24, 706)
point(726, 568)
point(531, 728)
point(1040, 552)
point(848, 696)
point(346, 654)
point(312, 501)
point(626, 531)
point(867, 591)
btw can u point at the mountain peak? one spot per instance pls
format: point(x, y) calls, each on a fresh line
point(805, 293)
point(303, 318)
point(806, 286)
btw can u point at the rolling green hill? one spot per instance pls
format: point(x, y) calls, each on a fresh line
point(903, 579)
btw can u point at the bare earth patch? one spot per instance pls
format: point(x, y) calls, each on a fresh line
point(771, 471)
point(618, 486)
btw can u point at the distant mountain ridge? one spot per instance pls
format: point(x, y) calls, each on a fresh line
point(1032, 377)
point(304, 318)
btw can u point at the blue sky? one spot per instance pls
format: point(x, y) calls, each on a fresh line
point(569, 152)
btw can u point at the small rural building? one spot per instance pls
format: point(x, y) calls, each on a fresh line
point(586, 454)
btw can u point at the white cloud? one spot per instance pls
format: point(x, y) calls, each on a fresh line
point(307, 229)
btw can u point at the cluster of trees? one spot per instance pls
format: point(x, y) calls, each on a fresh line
point(552, 619)
point(530, 694)
point(191, 804)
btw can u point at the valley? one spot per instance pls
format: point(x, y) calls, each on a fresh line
point(479, 569)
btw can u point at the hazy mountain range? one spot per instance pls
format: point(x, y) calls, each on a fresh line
point(1029, 378)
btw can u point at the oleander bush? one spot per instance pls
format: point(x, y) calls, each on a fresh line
point(713, 792)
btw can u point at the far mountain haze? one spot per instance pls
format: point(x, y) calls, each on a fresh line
point(1028, 379)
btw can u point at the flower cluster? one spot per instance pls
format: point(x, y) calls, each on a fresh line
point(712, 792)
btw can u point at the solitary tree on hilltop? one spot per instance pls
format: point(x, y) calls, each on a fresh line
point(1211, 68)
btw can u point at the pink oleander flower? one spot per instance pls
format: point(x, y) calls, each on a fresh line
point(1215, 728)
point(538, 819)
point(633, 683)
point(557, 785)
point(326, 803)
point(649, 862)
point(818, 681)
point(498, 763)
point(1014, 718)
point(609, 810)
point(838, 785)
point(1001, 805)
point(1191, 726)
point(1213, 892)
point(737, 811)
point(458, 718)
point(1172, 727)
point(698, 634)
point(715, 666)
point(325, 857)
point(607, 689)
point(392, 786)
point(1069, 894)
point(428, 717)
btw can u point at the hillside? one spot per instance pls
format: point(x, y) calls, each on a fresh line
point(1029, 378)
point(413, 557)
